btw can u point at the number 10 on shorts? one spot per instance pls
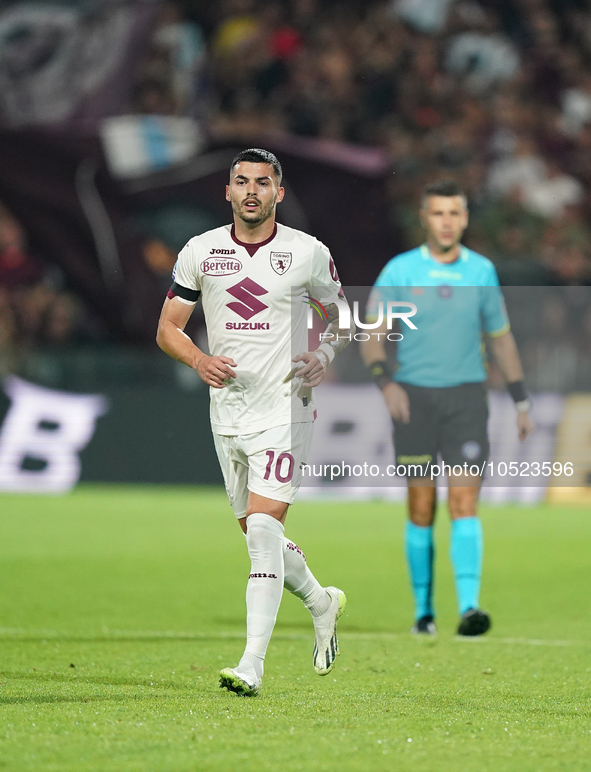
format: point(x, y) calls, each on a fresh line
point(283, 472)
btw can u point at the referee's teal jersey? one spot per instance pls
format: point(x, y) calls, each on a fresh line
point(456, 302)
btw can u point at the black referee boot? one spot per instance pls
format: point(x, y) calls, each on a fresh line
point(474, 622)
point(424, 626)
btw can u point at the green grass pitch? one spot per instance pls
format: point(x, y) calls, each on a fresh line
point(119, 605)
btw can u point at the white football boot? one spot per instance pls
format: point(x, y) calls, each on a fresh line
point(326, 645)
point(244, 685)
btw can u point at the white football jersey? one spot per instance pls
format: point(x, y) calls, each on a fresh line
point(256, 302)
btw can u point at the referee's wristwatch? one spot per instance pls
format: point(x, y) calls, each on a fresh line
point(381, 373)
point(519, 395)
point(523, 406)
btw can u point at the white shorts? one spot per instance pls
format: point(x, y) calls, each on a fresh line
point(268, 463)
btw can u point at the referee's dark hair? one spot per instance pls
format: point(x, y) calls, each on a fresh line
point(442, 188)
point(256, 155)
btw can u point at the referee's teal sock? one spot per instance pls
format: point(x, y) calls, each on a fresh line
point(418, 541)
point(466, 558)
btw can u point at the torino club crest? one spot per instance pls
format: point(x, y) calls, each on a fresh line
point(280, 261)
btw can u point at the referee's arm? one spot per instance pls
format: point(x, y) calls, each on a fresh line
point(373, 353)
point(505, 352)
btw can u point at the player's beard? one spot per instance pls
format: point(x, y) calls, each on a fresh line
point(254, 218)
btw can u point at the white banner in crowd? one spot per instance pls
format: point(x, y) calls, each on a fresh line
point(59, 63)
point(42, 435)
point(354, 432)
point(138, 144)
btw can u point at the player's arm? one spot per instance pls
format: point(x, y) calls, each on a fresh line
point(506, 355)
point(334, 340)
point(172, 339)
point(373, 353)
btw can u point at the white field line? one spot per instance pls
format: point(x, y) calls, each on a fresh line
point(464, 639)
point(122, 635)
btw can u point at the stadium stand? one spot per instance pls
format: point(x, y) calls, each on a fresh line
point(496, 95)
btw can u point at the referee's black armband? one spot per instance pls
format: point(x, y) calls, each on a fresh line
point(381, 373)
point(183, 292)
point(517, 391)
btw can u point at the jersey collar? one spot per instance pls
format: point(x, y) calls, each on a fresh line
point(426, 253)
point(252, 248)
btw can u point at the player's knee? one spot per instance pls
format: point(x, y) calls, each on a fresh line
point(422, 519)
point(462, 502)
point(258, 504)
point(261, 521)
point(421, 504)
point(422, 512)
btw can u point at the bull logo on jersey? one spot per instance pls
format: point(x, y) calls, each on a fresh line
point(245, 292)
point(280, 262)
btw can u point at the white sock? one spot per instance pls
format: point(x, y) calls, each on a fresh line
point(264, 538)
point(301, 582)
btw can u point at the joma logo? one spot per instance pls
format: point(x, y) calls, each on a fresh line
point(262, 576)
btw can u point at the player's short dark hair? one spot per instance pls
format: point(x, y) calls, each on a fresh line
point(256, 155)
point(442, 188)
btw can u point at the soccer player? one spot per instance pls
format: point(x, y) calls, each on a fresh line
point(256, 279)
point(437, 397)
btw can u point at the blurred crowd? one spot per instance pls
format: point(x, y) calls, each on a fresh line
point(552, 326)
point(169, 79)
point(495, 94)
point(37, 312)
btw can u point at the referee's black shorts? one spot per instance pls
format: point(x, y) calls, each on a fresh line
point(450, 421)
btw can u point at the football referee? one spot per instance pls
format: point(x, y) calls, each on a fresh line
point(437, 397)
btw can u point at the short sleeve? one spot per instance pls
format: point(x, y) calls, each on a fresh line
point(186, 282)
point(325, 284)
point(492, 303)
